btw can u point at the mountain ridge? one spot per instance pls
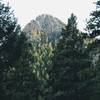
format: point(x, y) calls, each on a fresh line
point(47, 24)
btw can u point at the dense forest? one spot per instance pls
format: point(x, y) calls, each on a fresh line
point(44, 67)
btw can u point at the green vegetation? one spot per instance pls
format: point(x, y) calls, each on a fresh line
point(36, 68)
point(17, 80)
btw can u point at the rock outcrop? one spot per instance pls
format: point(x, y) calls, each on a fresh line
point(48, 25)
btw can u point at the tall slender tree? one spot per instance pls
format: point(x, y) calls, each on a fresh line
point(70, 60)
point(17, 81)
point(93, 25)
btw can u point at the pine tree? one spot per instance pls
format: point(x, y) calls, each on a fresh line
point(17, 80)
point(8, 34)
point(23, 84)
point(93, 25)
point(66, 77)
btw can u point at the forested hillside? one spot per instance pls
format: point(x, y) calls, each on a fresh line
point(48, 59)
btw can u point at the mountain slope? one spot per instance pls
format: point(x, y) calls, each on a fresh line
point(50, 26)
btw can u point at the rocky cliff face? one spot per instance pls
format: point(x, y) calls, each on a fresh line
point(50, 26)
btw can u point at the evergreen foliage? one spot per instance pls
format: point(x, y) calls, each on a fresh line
point(71, 67)
point(93, 25)
point(43, 69)
point(17, 80)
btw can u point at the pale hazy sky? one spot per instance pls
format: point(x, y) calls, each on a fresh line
point(26, 10)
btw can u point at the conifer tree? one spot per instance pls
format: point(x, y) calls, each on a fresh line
point(67, 82)
point(93, 25)
point(17, 80)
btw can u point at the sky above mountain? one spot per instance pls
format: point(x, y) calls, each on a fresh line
point(26, 10)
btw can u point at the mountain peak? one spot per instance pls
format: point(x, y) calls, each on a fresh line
point(44, 15)
point(49, 25)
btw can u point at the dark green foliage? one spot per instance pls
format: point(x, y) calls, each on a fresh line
point(93, 25)
point(8, 34)
point(71, 67)
point(26, 68)
point(17, 80)
point(42, 54)
point(23, 83)
point(96, 95)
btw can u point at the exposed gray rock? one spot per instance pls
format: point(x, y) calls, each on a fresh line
point(47, 24)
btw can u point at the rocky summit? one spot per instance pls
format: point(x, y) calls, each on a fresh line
point(50, 26)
